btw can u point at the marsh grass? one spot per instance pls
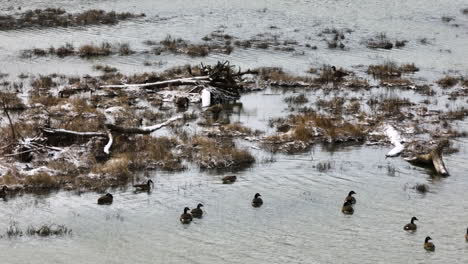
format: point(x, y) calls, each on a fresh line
point(296, 99)
point(390, 69)
point(42, 180)
point(14, 230)
point(211, 154)
point(323, 166)
point(380, 41)
point(57, 17)
point(448, 81)
point(92, 50)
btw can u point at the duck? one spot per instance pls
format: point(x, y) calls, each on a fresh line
point(105, 199)
point(144, 186)
point(197, 212)
point(3, 191)
point(411, 226)
point(347, 208)
point(229, 179)
point(186, 218)
point(350, 198)
point(429, 246)
point(257, 201)
point(466, 235)
point(339, 73)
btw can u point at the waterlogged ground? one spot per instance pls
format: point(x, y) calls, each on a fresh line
point(300, 221)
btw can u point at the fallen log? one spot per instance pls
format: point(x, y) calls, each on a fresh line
point(162, 84)
point(432, 159)
point(141, 130)
point(63, 132)
point(63, 137)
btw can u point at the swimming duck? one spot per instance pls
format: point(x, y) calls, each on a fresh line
point(105, 199)
point(229, 179)
point(3, 192)
point(411, 226)
point(339, 73)
point(144, 186)
point(257, 201)
point(466, 235)
point(347, 208)
point(429, 246)
point(197, 212)
point(350, 198)
point(186, 218)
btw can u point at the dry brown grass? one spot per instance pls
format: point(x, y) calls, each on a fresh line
point(386, 70)
point(11, 101)
point(356, 84)
point(332, 128)
point(380, 41)
point(42, 180)
point(57, 17)
point(212, 154)
point(91, 50)
point(448, 81)
point(237, 127)
point(43, 82)
point(105, 68)
point(125, 50)
point(277, 74)
point(117, 167)
point(296, 99)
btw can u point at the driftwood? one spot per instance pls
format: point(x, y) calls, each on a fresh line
point(141, 130)
point(162, 84)
point(64, 132)
point(432, 159)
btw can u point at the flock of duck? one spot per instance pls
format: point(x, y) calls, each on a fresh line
point(257, 201)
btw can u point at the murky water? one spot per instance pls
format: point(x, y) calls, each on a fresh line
point(300, 221)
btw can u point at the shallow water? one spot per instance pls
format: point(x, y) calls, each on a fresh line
point(301, 221)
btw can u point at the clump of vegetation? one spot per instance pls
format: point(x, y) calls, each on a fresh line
point(311, 126)
point(448, 81)
point(388, 69)
point(105, 68)
point(357, 83)
point(14, 230)
point(42, 180)
point(57, 17)
point(43, 82)
point(421, 187)
point(278, 75)
point(125, 50)
point(11, 101)
point(296, 99)
point(380, 41)
point(447, 19)
point(66, 50)
point(211, 154)
point(464, 11)
point(323, 166)
point(180, 46)
point(91, 50)
point(408, 68)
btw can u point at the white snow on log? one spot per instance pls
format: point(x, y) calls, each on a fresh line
point(395, 138)
point(109, 144)
point(158, 126)
point(206, 98)
point(192, 80)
